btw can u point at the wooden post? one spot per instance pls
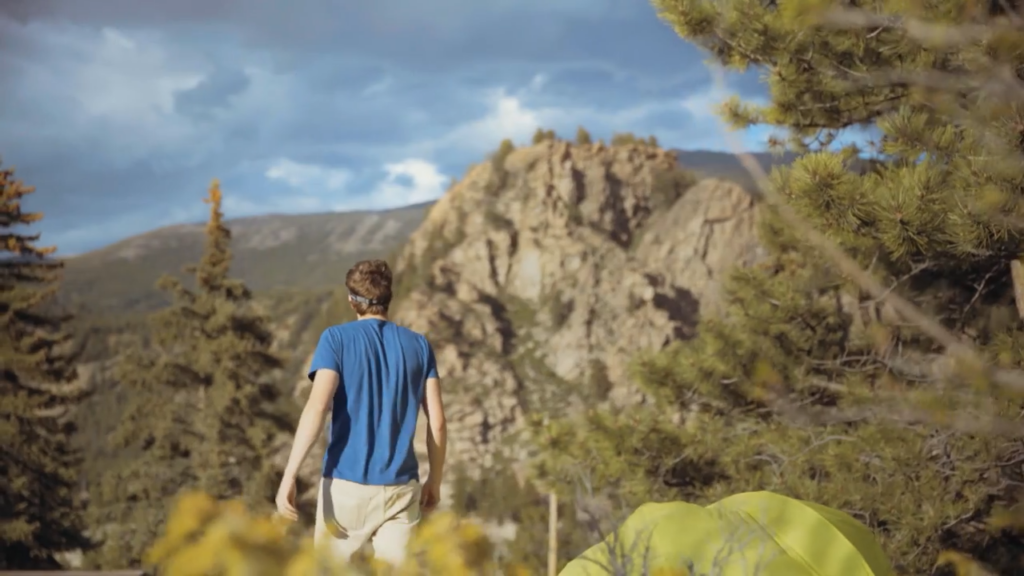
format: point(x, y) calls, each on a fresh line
point(1017, 275)
point(552, 534)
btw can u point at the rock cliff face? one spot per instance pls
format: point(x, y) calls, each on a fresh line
point(548, 271)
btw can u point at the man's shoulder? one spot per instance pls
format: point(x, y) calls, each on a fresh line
point(352, 326)
point(407, 333)
point(403, 333)
point(334, 331)
point(341, 334)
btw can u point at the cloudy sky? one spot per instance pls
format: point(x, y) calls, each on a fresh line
point(120, 112)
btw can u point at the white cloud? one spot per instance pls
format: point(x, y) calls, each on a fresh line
point(310, 177)
point(704, 103)
point(410, 181)
point(512, 116)
point(538, 82)
point(130, 79)
point(509, 118)
point(107, 93)
point(379, 86)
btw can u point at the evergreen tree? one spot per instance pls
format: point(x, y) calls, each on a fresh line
point(39, 517)
point(498, 158)
point(241, 415)
point(624, 139)
point(202, 412)
point(811, 385)
point(499, 175)
point(542, 135)
point(583, 137)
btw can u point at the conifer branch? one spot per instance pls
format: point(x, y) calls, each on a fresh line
point(957, 347)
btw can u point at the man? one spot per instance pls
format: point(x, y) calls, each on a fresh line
point(374, 376)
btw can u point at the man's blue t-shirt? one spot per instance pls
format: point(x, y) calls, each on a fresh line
point(383, 369)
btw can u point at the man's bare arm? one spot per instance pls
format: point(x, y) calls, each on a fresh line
point(312, 420)
point(437, 429)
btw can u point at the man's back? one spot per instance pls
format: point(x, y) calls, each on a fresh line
point(383, 369)
point(373, 376)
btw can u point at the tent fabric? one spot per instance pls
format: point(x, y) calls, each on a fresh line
point(753, 533)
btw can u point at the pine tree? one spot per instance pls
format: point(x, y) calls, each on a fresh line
point(241, 415)
point(498, 158)
point(542, 135)
point(583, 137)
point(624, 139)
point(202, 412)
point(809, 384)
point(39, 517)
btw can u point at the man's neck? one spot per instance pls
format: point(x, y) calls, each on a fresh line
point(372, 316)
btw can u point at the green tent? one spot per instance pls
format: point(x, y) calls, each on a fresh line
point(749, 534)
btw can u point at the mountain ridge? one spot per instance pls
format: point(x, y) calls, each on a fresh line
point(294, 251)
point(197, 226)
point(706, 163)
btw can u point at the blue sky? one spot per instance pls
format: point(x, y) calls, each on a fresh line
point(120, 112)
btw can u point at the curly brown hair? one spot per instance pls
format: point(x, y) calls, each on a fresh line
point(370, 280)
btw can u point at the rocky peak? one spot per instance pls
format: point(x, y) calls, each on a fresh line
point(547, 271)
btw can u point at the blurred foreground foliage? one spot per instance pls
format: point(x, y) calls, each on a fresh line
point(207, 537)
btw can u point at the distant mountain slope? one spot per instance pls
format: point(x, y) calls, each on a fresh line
point(727, 166)
point(274, 251)
point(306, 251)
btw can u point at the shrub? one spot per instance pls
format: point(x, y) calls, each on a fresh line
point(668, 186)
point(211, 538)
point(542, 135)
point(498, 158)
point(630, 139)
point(598, 382)
point(623, 139)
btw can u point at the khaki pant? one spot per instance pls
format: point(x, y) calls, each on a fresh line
point(350, 516)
